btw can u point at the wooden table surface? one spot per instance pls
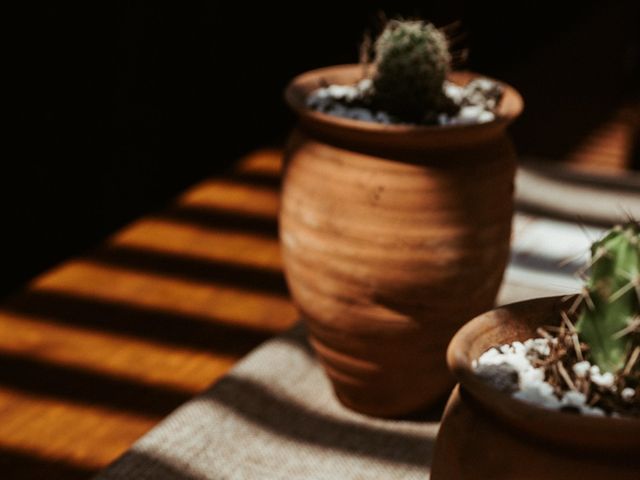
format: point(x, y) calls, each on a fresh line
point(97, 351)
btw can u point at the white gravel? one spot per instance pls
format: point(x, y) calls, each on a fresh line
point(335, 100)
point(628, 394)
point(581, 369)
point(602, 379)
point(477, 101)
point(528, 381)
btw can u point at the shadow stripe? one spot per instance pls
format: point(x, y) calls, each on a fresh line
point(262, 407)
point(541, 263)
point(19, 465)
point(221, 219)
point(146, 323)
point(138, 465)
point(526, 207)
point(258, 179)
point(193, 268)
point(83, 386)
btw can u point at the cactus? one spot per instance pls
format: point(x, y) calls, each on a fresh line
point(609, 319)
point(412, 61)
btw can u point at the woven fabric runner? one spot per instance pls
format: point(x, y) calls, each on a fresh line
point(274, 416)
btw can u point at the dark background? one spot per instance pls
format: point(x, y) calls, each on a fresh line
point(120, 106)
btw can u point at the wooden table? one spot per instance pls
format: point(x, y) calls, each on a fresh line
point(98, 350)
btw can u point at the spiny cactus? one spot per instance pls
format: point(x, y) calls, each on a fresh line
point(610, 315)
point(412, 61)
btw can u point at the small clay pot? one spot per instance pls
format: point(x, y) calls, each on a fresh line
point(392, 237)
point(485, 433)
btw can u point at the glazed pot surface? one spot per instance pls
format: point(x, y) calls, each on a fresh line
point(486, 433)
point(392, 237)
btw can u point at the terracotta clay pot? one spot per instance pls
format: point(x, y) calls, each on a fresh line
point(392, 237)
point(486, 433)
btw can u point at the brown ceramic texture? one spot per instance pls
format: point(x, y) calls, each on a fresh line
point(392, 238)
point(488, 434)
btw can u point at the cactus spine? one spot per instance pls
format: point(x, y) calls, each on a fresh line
point(610, 316)
point(412, 61)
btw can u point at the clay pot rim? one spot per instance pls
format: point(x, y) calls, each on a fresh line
point(562, 427)
point(298, 89)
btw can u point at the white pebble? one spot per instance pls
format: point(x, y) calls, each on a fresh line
point(531, 376)
point(443, 119)
point(383, 117)
point(482, 83)
point(574, 399)
point(579, 400)
point(364, 85)
point(627, 394)
point(593, 411)
point(538, 345)
point(453, 91)
point(359, 113)
point(469, 114)
point(581, 369)
point(605, 380)
point(346, 92)
point(486, 116)
point(483, 92)
point(540, 393)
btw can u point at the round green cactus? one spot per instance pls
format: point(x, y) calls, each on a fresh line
point(412, 61)
point(610, 315)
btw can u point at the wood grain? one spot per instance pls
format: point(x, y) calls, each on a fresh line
point(98, 350)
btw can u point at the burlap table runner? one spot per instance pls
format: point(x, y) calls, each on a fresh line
point(274, 416)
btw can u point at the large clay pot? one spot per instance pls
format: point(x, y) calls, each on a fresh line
point(392, 237)
point(486, 433)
